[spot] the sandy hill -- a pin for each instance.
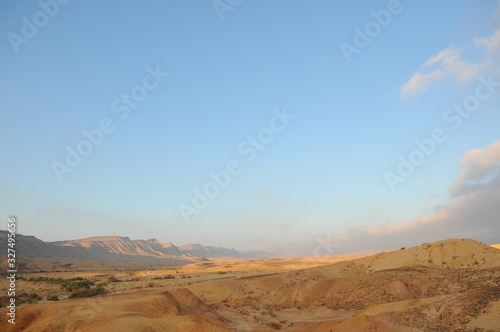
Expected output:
(451, 253)
(497, 246)
(443, 286)
(173, 310)
(447, 253)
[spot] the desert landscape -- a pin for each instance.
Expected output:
(231, 165)
(450, 285)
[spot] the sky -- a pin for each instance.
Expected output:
(318, 127)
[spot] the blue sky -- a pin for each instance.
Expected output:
(323, 175)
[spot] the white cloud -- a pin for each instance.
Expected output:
(495, 18)
(444, 64)
(481, 169)
(474, 211)
(449, 63)
(492, 43)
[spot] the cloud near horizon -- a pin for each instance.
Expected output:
(474, 211)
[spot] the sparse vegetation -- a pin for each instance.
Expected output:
(274, 325)
(114, 279)
(168, 276)
(33, 298)
(52, 298)
(88, 292)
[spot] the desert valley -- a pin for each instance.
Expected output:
(116, 284)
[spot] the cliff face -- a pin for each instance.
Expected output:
(116, 248)
(102, 245)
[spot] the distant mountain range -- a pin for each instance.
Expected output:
(120, 248)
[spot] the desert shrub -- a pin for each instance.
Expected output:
(88, 292)
(70, 285)
(52, 298)
(78, 284)
(33, 298)
(114, 279)
(274, 325)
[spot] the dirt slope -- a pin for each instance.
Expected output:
(173, 310)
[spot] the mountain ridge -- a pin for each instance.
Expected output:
(121, 248)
